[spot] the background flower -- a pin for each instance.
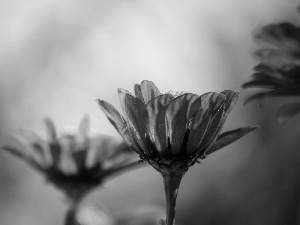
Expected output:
(74, 163)
(279, 70)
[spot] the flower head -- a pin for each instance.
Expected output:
(279, 70)
(172, 131)
(74, 163)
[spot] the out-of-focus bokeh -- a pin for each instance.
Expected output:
(57, 57)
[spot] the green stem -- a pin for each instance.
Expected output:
(171, 185)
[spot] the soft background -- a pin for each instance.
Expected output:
(57, 57)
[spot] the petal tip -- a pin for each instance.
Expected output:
(50, 128)
(101, 103)
(251, 128)
(147, 81)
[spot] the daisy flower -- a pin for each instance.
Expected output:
(172, 131)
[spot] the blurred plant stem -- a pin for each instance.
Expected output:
(71, 215)
(171, 185)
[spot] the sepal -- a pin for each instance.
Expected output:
(229, 137)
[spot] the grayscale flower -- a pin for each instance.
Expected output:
(278, 74)
(74, 163)
(174, 130)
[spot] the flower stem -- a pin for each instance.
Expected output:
(71, 217)
(71, 214)
(171, 185)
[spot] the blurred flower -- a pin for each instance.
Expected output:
(173, 130)
(74, 163)
(285, 41)
(279, 69)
